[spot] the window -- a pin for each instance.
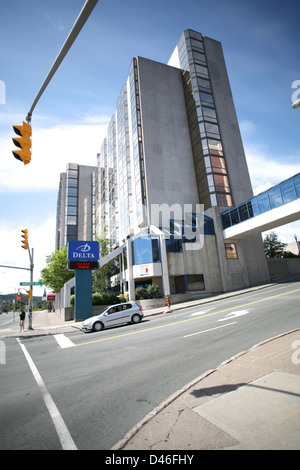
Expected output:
(296, 180)
(231, 251)
(288, 191)
(243, 211)
(263, 202)
(206, 98)
(195, 282)
(275, 197)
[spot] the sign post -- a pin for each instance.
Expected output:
(83, 258)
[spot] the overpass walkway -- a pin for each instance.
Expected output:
(277, 206)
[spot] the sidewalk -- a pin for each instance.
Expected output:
(251, 401)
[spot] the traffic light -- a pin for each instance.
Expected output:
(24, 239)
(23, 142)
(29, 294)
(19, 296)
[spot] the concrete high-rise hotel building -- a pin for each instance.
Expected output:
(174, 140)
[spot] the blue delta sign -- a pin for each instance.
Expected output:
(83, 257)
(83, 254)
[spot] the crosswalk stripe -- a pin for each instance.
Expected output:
(63, 341)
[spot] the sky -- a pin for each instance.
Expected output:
(260, 41)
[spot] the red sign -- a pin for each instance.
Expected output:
(50, 296)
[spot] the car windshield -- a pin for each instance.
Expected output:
(102, 311)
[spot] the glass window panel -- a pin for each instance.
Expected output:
(226, 220)
(201, 70)
(234, 216)
(199, 57)
(263, 202)
(275, 197)
(71, 220)
(253, 207)
(213, 128)
(231, 251)
(221, 183)
(218, 164)
(296, 180)
(243, 211)
(71, 210)
(215, 145)
(72, 201)
(209, 112)
(224, 199)
(202, 83)
(288, 191)
(205, 97)
(72, 173)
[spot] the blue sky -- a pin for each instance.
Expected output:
(261, 46)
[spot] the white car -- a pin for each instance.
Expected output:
(114, 315)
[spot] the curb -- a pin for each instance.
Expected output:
(133, 431)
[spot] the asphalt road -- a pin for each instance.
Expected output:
(86, 391)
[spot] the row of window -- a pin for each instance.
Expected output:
(192, 58)
(285, 192)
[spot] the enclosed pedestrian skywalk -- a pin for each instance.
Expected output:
(277, 206)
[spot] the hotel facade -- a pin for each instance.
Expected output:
(172, 162)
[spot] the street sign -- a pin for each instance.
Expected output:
(39, 283)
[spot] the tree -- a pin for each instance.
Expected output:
(56, 274)
(274, 248)
(101, 277)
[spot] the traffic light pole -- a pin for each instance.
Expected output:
(78, 25)
(31, 290)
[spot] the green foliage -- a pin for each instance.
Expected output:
(104, 298)
(274, 248)
(151, 292)
(56, 274)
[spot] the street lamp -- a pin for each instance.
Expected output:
(296, 104)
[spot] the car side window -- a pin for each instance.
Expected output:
(113, 310)
(127, 306)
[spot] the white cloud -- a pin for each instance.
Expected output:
(52, 148)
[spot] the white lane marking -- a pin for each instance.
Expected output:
(63, 341)
(231, 315)
(202, 312)
(61, 429)
(211, 329)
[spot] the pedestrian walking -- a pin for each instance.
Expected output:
(22, 320)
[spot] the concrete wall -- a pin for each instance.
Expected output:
(283, 267)
(238, 174)
(169, 165)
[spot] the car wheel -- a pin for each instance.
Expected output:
(136, 318)
(97, 326)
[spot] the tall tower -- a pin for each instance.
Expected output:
(220, 162)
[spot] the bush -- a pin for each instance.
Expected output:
(104, 298)
(150, 293)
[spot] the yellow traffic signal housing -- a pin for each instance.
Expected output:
(24, 239)
(29, 294)
(23, 142)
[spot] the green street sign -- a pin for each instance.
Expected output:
(39, 283)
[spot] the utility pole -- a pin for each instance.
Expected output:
(31, 290)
